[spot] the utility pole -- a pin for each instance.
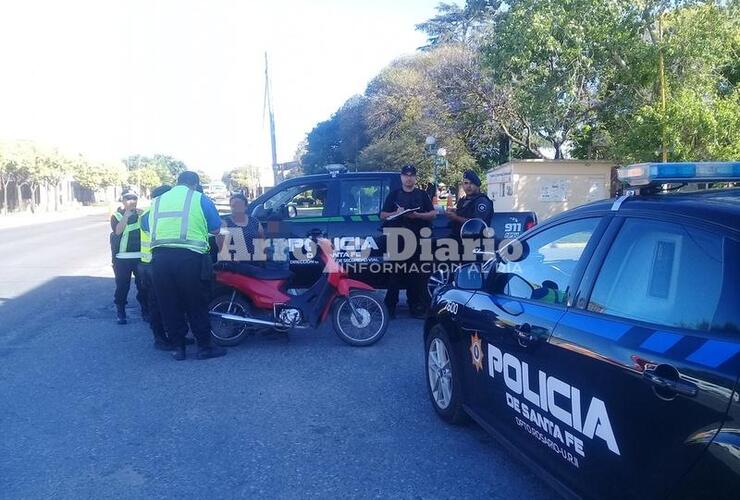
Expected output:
(268, 106)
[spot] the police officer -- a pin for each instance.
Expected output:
(180, 221)
(408, 197)
(161, 340)
(474, 205)
(126, 252)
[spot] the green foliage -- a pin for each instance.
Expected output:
(702, 116)
(338, 139)
(455, 24)
(246, 177)
(166, 167)
(577, 77)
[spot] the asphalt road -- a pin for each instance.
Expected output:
(89, 409)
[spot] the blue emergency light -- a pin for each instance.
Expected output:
(644, 174)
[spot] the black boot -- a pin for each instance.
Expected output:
(121, 314)
(179, 353)
(211, 351)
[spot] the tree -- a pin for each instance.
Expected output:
(246, 178)
(338, 139)
(407, 102)
(700, 45)
(204, 177)
(556, 61)
(8, 170)
(454, 24)
(166, 167)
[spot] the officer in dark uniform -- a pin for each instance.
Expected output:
(474, 205)
(409, 196)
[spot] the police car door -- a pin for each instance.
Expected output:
(649, 382)
(516, 377)
(357, 234)
(292, 215)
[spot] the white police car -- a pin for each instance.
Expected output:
(607, 354)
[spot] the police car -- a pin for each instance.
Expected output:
(345, 207)
(605, 351)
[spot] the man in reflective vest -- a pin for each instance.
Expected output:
(126, 252)
(179, 222)
(161, 340)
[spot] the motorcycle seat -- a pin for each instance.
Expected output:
(251, 270)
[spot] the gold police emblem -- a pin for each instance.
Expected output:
(476, 351)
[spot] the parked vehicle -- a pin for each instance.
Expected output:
(346, 209)
(606, 354)
(250, 298)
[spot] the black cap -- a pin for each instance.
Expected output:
(159, 191)
(472, 177)
(408, 170)
(129, 195)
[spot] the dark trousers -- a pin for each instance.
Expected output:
(123, 269)
(183, 293)
(413, 281)
(155, 316)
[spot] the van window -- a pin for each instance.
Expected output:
(362, 196)
(296, 202)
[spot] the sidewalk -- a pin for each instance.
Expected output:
(28, 219)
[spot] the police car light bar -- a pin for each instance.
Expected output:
(644, 174)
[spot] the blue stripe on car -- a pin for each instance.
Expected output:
(611, 330)
(713, 353)
(661, 341)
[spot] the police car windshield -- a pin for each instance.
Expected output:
(282, 197)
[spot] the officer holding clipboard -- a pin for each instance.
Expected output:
(410, 208)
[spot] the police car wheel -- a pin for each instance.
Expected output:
(361, 323)
(443, 377)
(225, 332)
(437, 280)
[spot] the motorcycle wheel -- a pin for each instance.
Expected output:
(225, 332)
(366, 324)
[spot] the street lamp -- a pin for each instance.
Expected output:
(430, 142)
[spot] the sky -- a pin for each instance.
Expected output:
(108, 78)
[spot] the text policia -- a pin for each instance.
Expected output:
(400, 245)
(536, 396)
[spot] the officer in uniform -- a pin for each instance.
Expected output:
(126, 253)
(179, 222)
(474, 205)
(161, 340)
(409, 196)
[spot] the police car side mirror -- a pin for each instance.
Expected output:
(469, 277)
(259, 211)
(473, 229)
(292, 211)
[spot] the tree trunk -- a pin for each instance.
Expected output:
(19, 196)
(33, 197)
(5, 197)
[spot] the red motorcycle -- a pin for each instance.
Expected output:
(250, 298)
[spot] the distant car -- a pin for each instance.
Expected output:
(346, 208)
(607, 354)
(216, 191)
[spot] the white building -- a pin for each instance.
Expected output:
(548, 187)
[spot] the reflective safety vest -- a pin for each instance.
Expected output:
(123, 245)
(177, 221)
(146, 242)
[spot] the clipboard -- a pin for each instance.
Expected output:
(394, 217)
